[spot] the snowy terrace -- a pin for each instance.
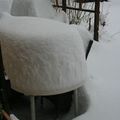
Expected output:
(103, 66)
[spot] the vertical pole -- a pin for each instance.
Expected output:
(32, 104)
(96, 20)
(56, 2)
(64, 5)
(89, 48)
(76, 102)
(80, 4)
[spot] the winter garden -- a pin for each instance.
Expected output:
(59, 60)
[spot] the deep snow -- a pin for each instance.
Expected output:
(104, 66)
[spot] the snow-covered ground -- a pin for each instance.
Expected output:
(104, 69)
(104, 66)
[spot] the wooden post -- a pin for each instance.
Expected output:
(56, 2)
(64, 5)
(80, 4)
(96, 20)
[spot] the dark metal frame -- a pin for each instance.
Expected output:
(96, 12)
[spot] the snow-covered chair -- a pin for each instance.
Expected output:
(86, 37)
(41, 60)
(44, 9)
(37, 8)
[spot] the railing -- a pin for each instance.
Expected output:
(95, 11)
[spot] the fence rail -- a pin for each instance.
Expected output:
(95, 11)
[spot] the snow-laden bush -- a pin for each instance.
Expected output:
(81, 17)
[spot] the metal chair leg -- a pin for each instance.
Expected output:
(32, 104)
(42, 102)
(76, 102)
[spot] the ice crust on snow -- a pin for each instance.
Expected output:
(42, 59)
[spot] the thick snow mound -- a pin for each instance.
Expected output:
(85, 34)
(5, 5)
(37, 8)
(41, 56)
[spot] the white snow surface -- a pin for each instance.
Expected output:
(45, 57)
(13, 117)
(104, 69)
(43, 9)
(37, 8)
(104, 66)
(5, 5)
(85, 34)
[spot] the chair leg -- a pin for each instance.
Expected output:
(42, 102)
(32, 104)
(76, 102)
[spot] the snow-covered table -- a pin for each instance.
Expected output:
(41, 56)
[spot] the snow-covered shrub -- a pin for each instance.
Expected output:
(81, 17)
(75, 16)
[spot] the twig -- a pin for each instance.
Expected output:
(5, 114)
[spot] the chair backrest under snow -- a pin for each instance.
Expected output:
(44, 9)
(37, 8)
(5, 5)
